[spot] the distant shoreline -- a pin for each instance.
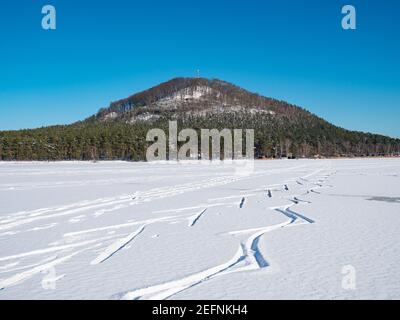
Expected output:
(191, 161)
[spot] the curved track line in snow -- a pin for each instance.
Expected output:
(248, 254)
(120, 226)
(168, 289)
(200, 206)
(241, 204)
(20, 277)
(116, 246)
(8, 266)
(29, 266)
(195, 218)
(54, 249)
(293, 215)
(252, 255)
(20, 222)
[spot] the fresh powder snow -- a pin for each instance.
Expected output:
(289, 229)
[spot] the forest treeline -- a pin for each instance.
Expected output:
(307, 136)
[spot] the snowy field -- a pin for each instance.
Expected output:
(114, 230)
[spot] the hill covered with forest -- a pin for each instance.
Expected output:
(119, 131)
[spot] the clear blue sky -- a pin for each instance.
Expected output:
(288, 49)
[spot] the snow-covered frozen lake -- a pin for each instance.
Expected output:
(291, 229)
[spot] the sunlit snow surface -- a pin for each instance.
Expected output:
(115, 230)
